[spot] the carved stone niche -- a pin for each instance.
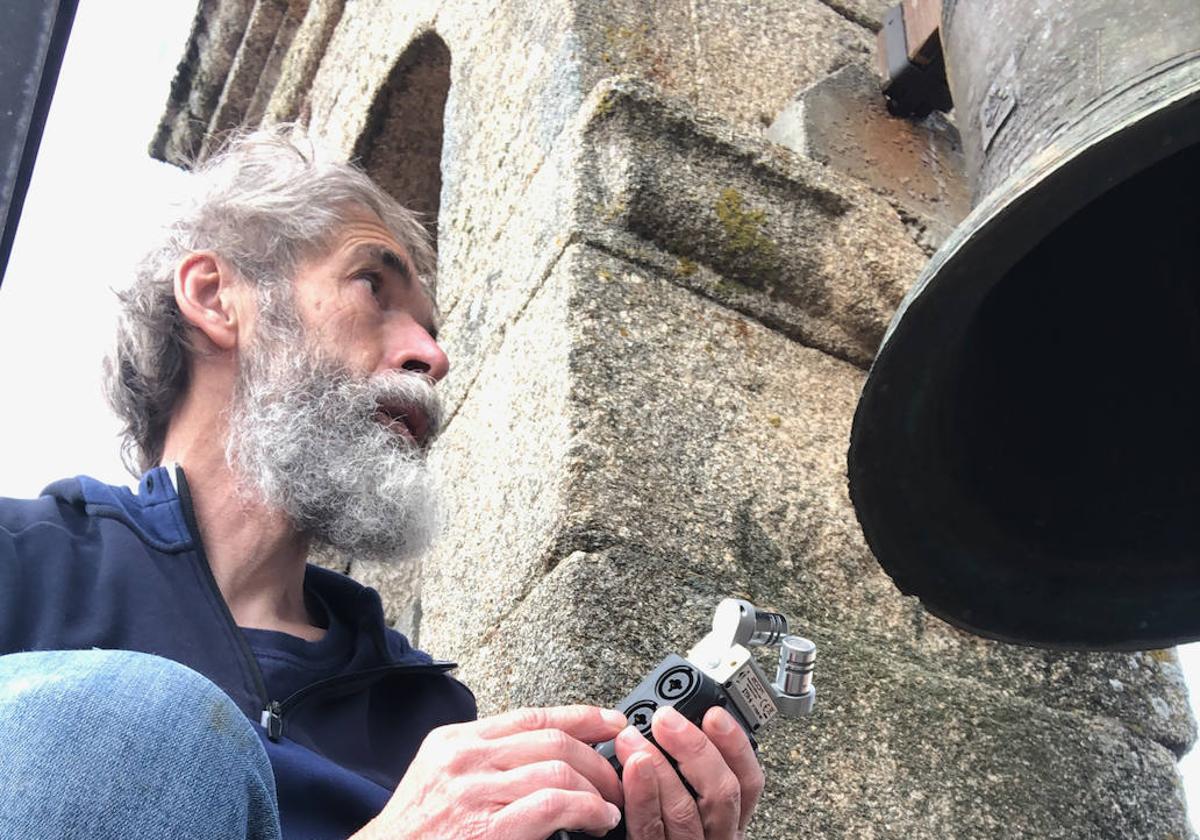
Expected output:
(401, 143)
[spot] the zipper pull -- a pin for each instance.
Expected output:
(272, 720)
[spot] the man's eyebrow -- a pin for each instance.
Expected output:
(388, 259)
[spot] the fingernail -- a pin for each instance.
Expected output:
(630, 735)
(722, 721)
(613, 718)
(671, 719)
(614, 815)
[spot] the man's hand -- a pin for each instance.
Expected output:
(718, 763)
(516, 776)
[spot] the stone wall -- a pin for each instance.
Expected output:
(659, 321)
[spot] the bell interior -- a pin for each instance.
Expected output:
(1069, 432)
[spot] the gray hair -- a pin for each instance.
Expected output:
(265, 202)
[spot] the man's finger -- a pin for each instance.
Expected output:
(513, 784)
(589, 724)
(523, 748)
(730, 739)
(718, 792)
(679, 812)
(544, 812)
(643, 809)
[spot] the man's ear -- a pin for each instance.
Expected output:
(207, 298)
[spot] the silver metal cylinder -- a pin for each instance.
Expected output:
(769, 628)
(797, 658)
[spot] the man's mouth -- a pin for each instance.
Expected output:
(406, 421)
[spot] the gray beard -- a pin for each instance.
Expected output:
(304, 439)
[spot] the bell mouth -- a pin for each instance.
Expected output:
(1025, 456)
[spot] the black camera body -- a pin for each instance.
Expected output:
(674, 682)
(721, 671)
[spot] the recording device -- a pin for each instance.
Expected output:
(721, 671)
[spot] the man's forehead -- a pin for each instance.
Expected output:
(363, 237)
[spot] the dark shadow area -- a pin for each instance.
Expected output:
(1079, 417)
(401, 146)
(1071, 444)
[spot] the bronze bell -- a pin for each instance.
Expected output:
(1025, 456)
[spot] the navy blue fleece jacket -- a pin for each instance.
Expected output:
(91, 565)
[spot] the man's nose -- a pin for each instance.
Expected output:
(412, 348)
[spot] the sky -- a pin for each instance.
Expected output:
(94, 197)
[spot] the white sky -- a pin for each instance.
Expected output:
(95, 194)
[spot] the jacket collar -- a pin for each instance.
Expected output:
(155, 511)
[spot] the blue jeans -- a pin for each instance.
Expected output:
(114, 744)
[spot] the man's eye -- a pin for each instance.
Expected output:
(373, 280)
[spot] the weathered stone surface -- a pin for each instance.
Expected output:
(953, 758)
(268, 33)
(843, 121)
(362, 50)
(502, 522)
(690, 206)
(741, 62)
(868, 13)
(500, 139)
(288, 100)
(489, 288)
(743, 221)
(199, 81)
(291, 17)
(401, 144)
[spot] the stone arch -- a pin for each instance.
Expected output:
(401, 143)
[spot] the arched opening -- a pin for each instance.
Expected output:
(401, 145)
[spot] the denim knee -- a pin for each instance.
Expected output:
(117, 743)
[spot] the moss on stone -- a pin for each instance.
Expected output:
(745, 239)
(725, 287)
(685, 267)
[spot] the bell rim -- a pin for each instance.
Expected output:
(947, 289)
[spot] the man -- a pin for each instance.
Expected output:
(275, 372)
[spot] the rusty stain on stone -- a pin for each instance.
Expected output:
(843, 122)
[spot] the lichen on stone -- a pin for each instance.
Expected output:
(613, 210)
(742, 227)
(1163, 655)
(605, 105)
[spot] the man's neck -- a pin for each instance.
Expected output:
(256, 556)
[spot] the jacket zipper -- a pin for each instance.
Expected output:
(272, 720)
(271, 716)
(273, 713)
(189, 515)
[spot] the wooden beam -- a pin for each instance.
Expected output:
(922, 20)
